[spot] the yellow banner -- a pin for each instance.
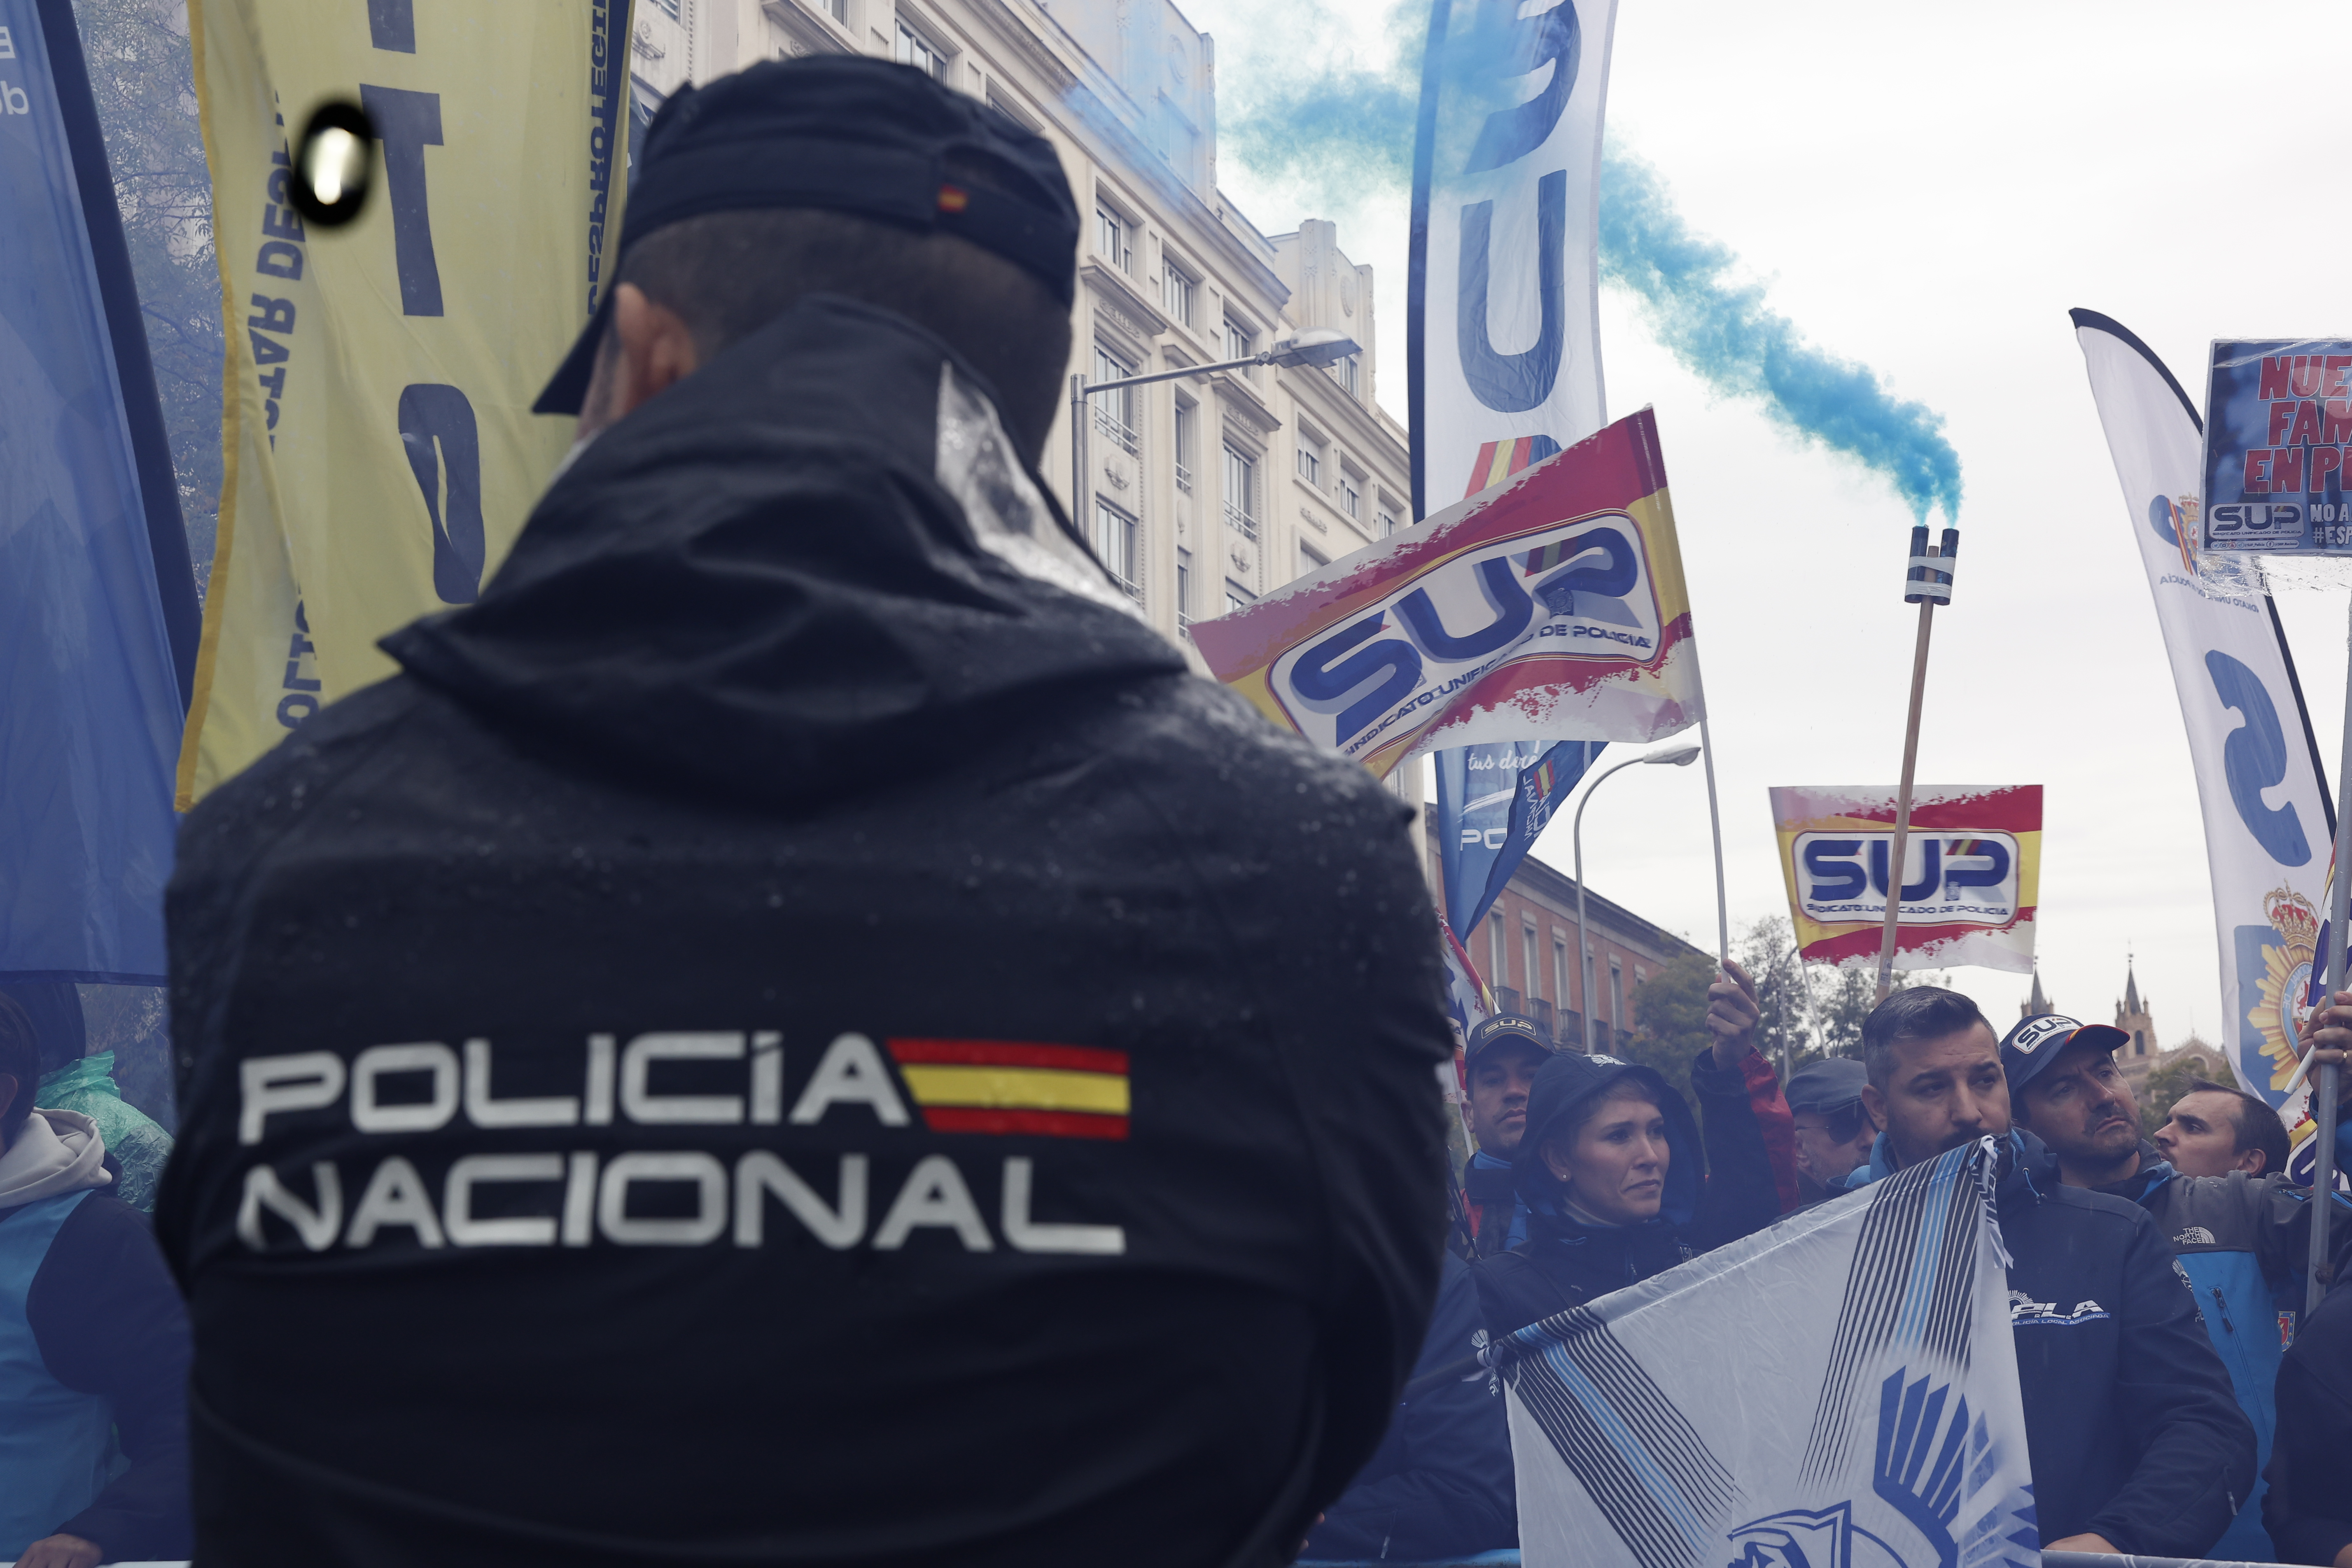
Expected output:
(381, 451)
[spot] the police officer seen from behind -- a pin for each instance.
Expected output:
(1499, 1066)
(2243, 1240)
(794, 1030)
(2136, 1444)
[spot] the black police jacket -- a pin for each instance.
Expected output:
(786, 1035)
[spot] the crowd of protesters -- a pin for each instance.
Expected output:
(2189, 1417)
(1144, 1299)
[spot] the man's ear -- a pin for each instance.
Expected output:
(1874, 1102)
(2252, 1161)
(655, 350)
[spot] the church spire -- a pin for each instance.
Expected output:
(2131, 988)
(2037, 1003)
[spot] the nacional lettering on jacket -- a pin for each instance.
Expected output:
(565, 1197)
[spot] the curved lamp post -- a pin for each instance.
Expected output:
(1680, 756)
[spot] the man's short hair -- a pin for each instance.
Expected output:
(20, 1058)
(728, 274)
(2258, 1126)
(1914, 1012)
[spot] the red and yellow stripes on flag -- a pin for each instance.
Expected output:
(1011, 1087)
(1499, 461)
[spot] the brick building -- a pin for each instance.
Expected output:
(1526, 952)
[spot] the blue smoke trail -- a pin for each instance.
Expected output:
(1724, 332)
(1342, 129)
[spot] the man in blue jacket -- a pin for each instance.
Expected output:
(2136, 1444)
(2244, 1240)
(1500, 1067)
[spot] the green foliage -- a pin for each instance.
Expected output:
(1670, 1021)
(2163, 1086)
(141, 75)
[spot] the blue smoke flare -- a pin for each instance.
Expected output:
(1345, 128)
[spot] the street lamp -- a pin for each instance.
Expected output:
(1680, 756)
(1309, 349)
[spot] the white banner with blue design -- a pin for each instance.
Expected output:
(1839, 1390)
(2268, 827)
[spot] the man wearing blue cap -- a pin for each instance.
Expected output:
(794, 1030)
(2136, 1444)
(2244, 1241)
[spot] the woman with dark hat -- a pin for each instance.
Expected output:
(1612, 1172)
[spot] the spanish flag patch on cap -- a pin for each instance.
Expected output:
(1006, 1087)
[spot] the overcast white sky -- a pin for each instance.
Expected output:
(1927, 190)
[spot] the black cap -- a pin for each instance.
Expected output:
(1505, 1029)
(1831, 1084)
(849, 134)
(2038, 1041)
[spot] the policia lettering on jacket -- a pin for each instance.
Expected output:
(676, 1197)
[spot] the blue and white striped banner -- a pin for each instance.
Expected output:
(1661, 1424)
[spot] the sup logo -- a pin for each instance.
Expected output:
(1578, 591)
(1946, 880)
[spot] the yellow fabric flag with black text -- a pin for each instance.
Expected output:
(381, 453)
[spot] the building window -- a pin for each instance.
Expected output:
(837, 9)
(1114, 237)
(1527, 946)
(1309, 562)
(1237, 597)
(1241, 492)
(1240, 343)
(1114, 541)
(1352, 499)
(1344, 372)
(1310, 464)
(1115, 409)
(1616, 997)
(1187, 442)
(1560, 993)
(1176, 292)
(916, 50)
(667, 7)
(1496, 954)
(1184, 591)
(1387, 522)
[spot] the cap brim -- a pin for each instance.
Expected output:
(2103, 1036)
(567, 390)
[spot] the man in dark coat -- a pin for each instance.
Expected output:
(795, 1031)
(2137, 1443)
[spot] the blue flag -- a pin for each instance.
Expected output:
(90, 692)
(1493, 802)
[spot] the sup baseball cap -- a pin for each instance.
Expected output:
(1506, 1028)
(848, 134)
(2038, 1041)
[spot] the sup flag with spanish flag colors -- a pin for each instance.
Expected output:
(380, 451)
(1007, 1087)
(1878, 1425)
(1972, 874)
(1551, 606)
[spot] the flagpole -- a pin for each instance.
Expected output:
(1930, 582)
(2324, 1083)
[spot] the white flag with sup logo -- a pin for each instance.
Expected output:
(1870, 1420)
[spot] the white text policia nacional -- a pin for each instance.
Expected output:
(571, 1197)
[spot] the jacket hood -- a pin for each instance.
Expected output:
(54, 1151)
(1567, 1081)
(817, 559)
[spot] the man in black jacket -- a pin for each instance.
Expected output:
(2308, 1507)
(1441, 1484)
(795, 1030)
(2137, 1443)
(93, 1344)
